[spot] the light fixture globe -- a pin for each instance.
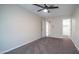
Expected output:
(45, 10)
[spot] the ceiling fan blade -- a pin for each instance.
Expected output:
(40, 10)
(52, 7)
(38, 5)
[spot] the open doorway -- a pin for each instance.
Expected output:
(47, 28)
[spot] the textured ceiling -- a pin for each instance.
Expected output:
(63, 10)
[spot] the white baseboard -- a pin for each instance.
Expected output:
(75, 45)
(12, 48)
(16, 47)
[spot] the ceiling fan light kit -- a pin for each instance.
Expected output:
(45, 10)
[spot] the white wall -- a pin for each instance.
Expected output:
(75, 27)
(56, 26)
(17, 27)
(43, 28)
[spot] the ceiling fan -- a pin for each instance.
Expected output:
(45, 7)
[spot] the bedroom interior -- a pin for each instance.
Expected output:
(39, 29)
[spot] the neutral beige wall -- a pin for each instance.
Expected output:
(75, 27)
(17, 27)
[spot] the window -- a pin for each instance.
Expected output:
(67, 27)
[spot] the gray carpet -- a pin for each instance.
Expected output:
(47, 45)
